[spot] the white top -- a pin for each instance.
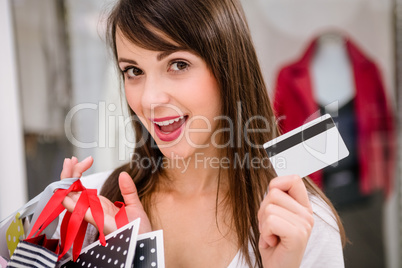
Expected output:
(324, 248)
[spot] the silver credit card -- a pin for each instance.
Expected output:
(307, 149)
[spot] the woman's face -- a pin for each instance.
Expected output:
(175, 96)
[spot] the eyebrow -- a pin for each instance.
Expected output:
(159, 57)
(164, 54)
(127, 61)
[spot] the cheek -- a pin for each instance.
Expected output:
(133, 101)
(208, 104)
(136, 108)
(206, 93)
(212, 98)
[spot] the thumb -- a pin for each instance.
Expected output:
(81, 167)
(133, 203)
(129, 191)
(267, 242)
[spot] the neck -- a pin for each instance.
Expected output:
(331, 47)
(196, 174)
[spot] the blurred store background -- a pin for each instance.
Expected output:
(60, 96)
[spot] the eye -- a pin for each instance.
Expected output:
(132, 72)
(178, 66)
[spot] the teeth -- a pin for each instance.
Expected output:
(168, 122)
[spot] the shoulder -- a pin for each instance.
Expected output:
(324, 248)
(96, 180)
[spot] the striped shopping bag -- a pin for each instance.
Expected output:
(37, 252)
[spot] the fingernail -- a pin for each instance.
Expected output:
(89, 157)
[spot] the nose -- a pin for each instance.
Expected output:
(155, 92)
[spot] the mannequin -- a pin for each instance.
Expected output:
(331, 71)
(335, 76)
(334, 92)
(297, 99)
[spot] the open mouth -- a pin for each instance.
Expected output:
(168, 129)
(172, 124)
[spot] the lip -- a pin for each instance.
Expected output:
(168, 136)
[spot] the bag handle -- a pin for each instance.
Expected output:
(35, 205)
(53, 208)
(121, 216)
(73, 223)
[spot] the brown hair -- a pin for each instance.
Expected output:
(217, 31)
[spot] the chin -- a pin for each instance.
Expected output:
(170, 153)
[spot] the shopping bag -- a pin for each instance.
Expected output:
(3, 262)
(10, 237)
(14, 234)
(35, 252)
(118, 251)
(73, 226)
(149, 252)
(124, 247)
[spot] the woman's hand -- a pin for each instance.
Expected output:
(74, 169)
(134, 209)
(285, 222)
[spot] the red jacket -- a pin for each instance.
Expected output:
(294, 105)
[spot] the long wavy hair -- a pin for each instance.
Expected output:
(217, 31)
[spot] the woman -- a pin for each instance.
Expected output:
(201, 113)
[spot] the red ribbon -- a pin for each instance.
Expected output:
(121, 216)
(73, 226)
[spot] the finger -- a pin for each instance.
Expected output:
(289, 234)
(129, 191)
(284, 200)
(273, 209)
(273, 231)
(272, 241)
(70, 201)
(82, 166)
(294, 186)
(74, 160)
(304, 222)
(67, 171)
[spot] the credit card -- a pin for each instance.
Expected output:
(307, 149)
